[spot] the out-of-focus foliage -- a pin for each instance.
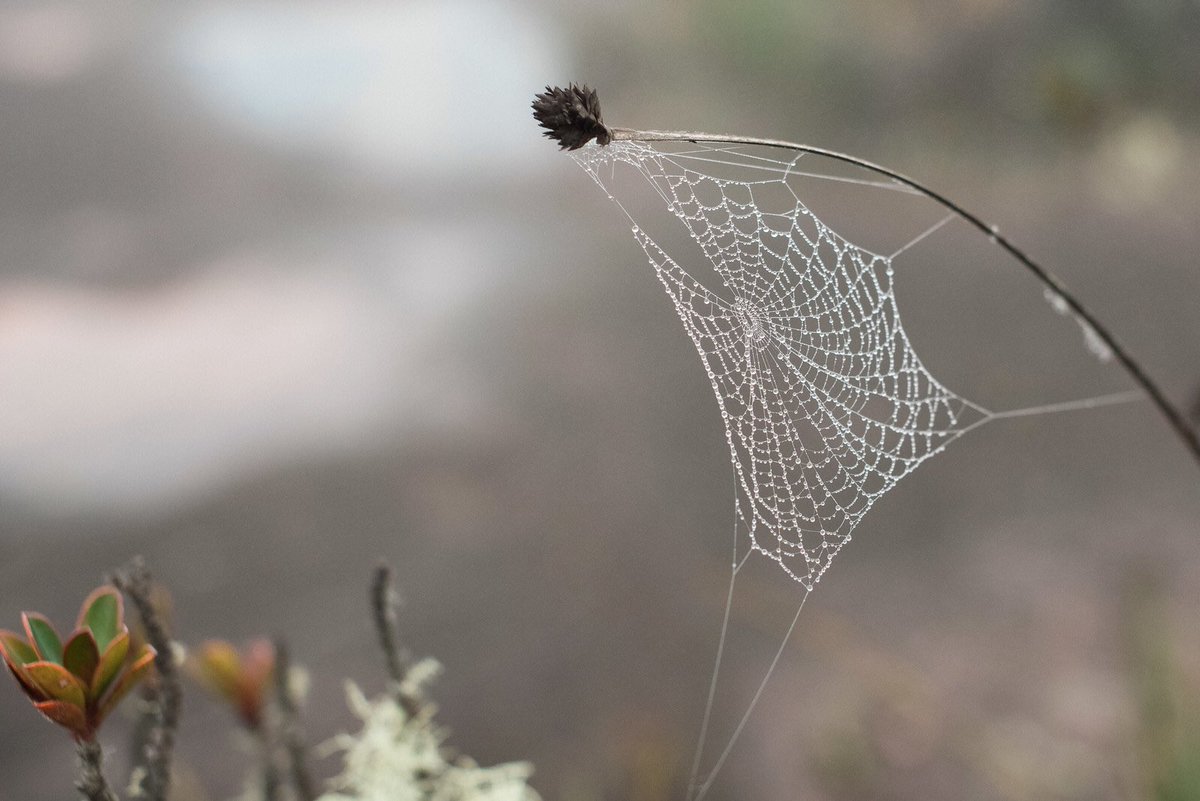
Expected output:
(970, 72)
(1167, 739)
(242, 678)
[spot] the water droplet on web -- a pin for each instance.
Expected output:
(1056, 301)
(1095, 344)
(786, 344)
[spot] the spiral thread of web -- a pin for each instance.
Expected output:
(825, 404)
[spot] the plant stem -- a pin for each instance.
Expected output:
(135, 582)
(383, 607)
(271, 783)
(1178, 421)
(91, 780)
(264, 737)
(147, 718)
(289, 725)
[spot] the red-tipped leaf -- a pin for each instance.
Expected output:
(81, 656)
(42, 637)
(56, 683)
(136, 671)
(68, 716)
(109, 665)
(258, 666)
(27, 685)
(103, 612)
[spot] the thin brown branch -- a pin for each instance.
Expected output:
(265, 738)
(271, 781)
(146, 720)
(572, 118)
(383, 607)
(91, 782)
(289, 726)
(1176, 418)
(135, 582)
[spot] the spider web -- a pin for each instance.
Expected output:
(826, 405)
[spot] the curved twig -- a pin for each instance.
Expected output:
(1178, 421)
(572, 118)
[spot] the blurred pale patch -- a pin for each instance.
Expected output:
(426, 88)
(138, 400)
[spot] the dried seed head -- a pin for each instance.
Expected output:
(571, 116)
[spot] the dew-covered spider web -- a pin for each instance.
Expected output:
(825, 403)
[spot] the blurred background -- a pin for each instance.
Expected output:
(288, 288)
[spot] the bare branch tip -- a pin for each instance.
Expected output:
(383, 607)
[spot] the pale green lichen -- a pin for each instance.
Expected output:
(395, 757)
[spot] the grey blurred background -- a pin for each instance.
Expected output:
(287, 288)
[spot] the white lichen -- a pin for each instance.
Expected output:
(395, 757)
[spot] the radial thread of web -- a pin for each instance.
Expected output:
(825, 404)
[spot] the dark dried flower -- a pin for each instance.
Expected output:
(571, 116)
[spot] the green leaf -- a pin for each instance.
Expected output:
(136, 672)
(81, 656)
(43, 637)
(110, 665)
(56, 683)
(67, 715)
(15, 650)
(102, 613)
